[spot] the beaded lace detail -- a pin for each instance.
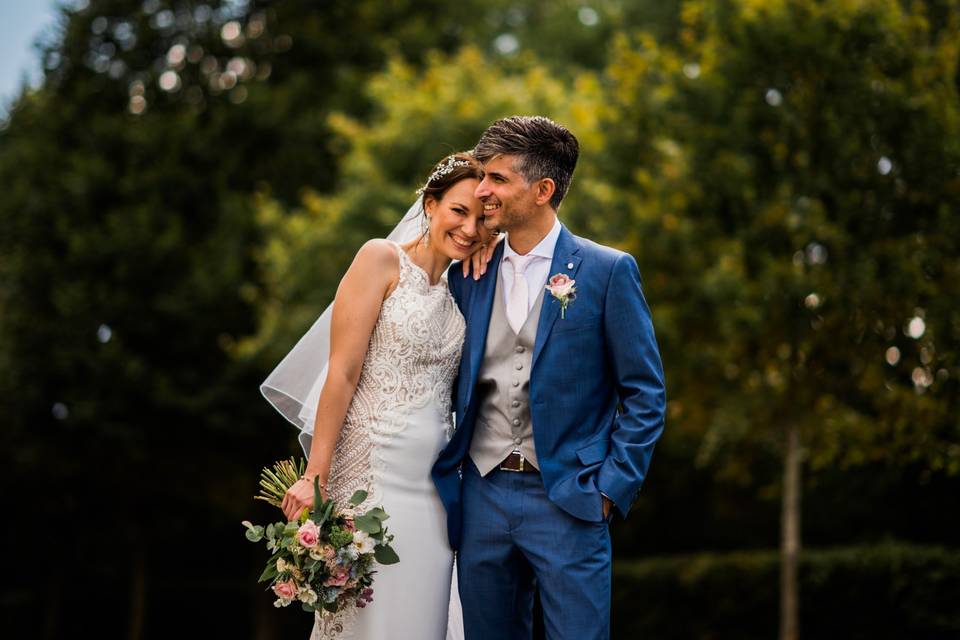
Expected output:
(411, 361)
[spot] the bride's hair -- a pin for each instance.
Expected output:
(448, 172)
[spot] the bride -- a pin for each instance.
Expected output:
(378, 414)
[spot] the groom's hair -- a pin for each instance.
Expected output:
(544, 149)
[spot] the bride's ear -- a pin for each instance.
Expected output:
(429, 206)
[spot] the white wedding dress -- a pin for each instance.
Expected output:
(397, 423)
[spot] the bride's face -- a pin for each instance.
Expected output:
(456, 228)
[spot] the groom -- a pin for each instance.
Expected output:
(559, 401)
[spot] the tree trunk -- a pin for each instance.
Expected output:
(790, 538)
(137, 592)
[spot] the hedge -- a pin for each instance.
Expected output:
(884, 591)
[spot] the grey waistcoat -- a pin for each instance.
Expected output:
(503, 388)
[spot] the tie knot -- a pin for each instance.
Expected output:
(519, 263)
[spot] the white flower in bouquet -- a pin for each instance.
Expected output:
(307, 595)
(363, 542)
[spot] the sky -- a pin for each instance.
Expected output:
(21, 22)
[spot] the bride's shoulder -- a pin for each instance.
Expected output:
(378, 251)
(377, 261)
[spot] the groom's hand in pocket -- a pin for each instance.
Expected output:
(607, 505)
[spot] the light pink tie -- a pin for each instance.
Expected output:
(518, 300)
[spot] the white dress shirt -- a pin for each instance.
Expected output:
(537, 270)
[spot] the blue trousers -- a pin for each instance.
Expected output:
(515, 540)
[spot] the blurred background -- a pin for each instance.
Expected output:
(182, 183)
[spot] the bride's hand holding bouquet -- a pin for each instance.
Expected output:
(300, 496)
(324, 556)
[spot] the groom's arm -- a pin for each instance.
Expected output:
(632, 351)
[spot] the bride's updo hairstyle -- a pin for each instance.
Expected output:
(448, 172)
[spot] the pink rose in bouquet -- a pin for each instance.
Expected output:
(308, 534)
(286, 590)
(338, 579)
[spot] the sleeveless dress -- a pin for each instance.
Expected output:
(396, 425)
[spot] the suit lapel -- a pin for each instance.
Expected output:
(566, 261)
(481, 305)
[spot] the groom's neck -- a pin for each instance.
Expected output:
(523, 238)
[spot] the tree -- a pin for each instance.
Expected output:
(418, 117)
(798, 166)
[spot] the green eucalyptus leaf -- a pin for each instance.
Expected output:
(269, 572)
(358, 496)
(378, 513)
(385, 554)
(367, 524)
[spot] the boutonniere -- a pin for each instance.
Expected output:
(561, 287)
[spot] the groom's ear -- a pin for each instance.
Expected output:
(545, 190)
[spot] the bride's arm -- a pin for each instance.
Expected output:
(372, 276)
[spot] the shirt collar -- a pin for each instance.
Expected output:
(544, 248)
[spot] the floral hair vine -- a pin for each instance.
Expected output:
(446, 167)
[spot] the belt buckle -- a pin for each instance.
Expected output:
(510, 457)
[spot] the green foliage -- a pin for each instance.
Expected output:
(885, 591)
(340, 537)
(385, 555)
(419, 116)
(255, 533)
(791, 213)
(368, 524)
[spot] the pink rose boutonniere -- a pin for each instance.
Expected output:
(561, 287)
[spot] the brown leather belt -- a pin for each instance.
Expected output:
(516, 462)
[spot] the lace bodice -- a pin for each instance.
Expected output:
(411, 361)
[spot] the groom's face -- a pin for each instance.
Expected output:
(508, 199)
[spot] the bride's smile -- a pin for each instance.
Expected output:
(455, 221)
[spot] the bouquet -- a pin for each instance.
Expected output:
(325, 558)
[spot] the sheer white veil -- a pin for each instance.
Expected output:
(293, 387)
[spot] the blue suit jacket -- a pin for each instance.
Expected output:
(597, 395)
